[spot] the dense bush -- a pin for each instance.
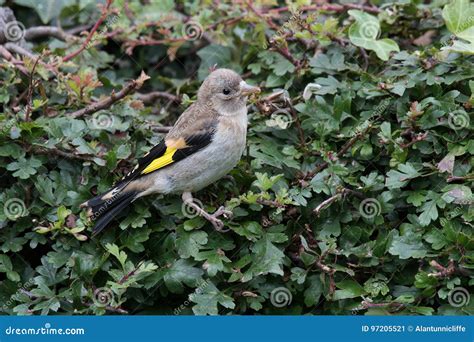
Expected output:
(353, 196)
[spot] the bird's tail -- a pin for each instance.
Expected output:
(104, 207)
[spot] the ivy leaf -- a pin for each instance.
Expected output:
(364, 33)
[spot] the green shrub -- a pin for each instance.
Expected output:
(353, 196)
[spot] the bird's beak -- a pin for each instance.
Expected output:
(247, 89)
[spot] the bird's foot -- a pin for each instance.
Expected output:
(213, 218)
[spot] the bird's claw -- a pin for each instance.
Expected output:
(218, 224)
(224, 212)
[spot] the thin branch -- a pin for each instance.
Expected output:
(30, 90)
(59, 153)
(25, 53)
(114, 97)
(105, 13)
(9, 57)
(329, 7)
(443, 272)
(341, 152)
(326, 203)
(48, 31)
(161, 129)
(152, 96)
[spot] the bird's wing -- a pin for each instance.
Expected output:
(191, 133)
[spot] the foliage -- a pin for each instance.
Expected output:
(354, 194)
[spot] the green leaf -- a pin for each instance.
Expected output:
(364, 33)
(47, 10)
(458, 18)
(120, 255)
(208, 299)
(348, 289)
(189, 243)
(24, 168)
(398, 179)
(408, 244)
(182, 272)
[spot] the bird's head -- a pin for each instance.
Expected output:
(225, 91)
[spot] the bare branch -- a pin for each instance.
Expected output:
(114, 97)
(48, 31)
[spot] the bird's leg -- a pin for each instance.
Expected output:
(213, 218)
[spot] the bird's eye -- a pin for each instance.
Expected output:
(226, 91)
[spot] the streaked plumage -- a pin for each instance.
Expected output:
(205, 143)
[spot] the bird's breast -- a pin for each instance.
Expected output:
(212, 162)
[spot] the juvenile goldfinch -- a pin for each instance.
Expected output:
(205, 143)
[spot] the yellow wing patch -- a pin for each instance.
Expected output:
(158, 163)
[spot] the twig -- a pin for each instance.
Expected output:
(23, 52)
(19, 50)
(161, 129)
(326, 203)
(329, 7)
(48, 31)
(9, 57)
(443, 272)
(152, 96)
(459, 178)
(414, 140)
(270, 203)
(282, 51)
(30, 90)
(110, 308)
(296, 119)
(60, 153)
(395, 305)
(110, 100)
(341, 152)
(105, 12)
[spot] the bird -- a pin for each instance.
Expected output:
(205, 143)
